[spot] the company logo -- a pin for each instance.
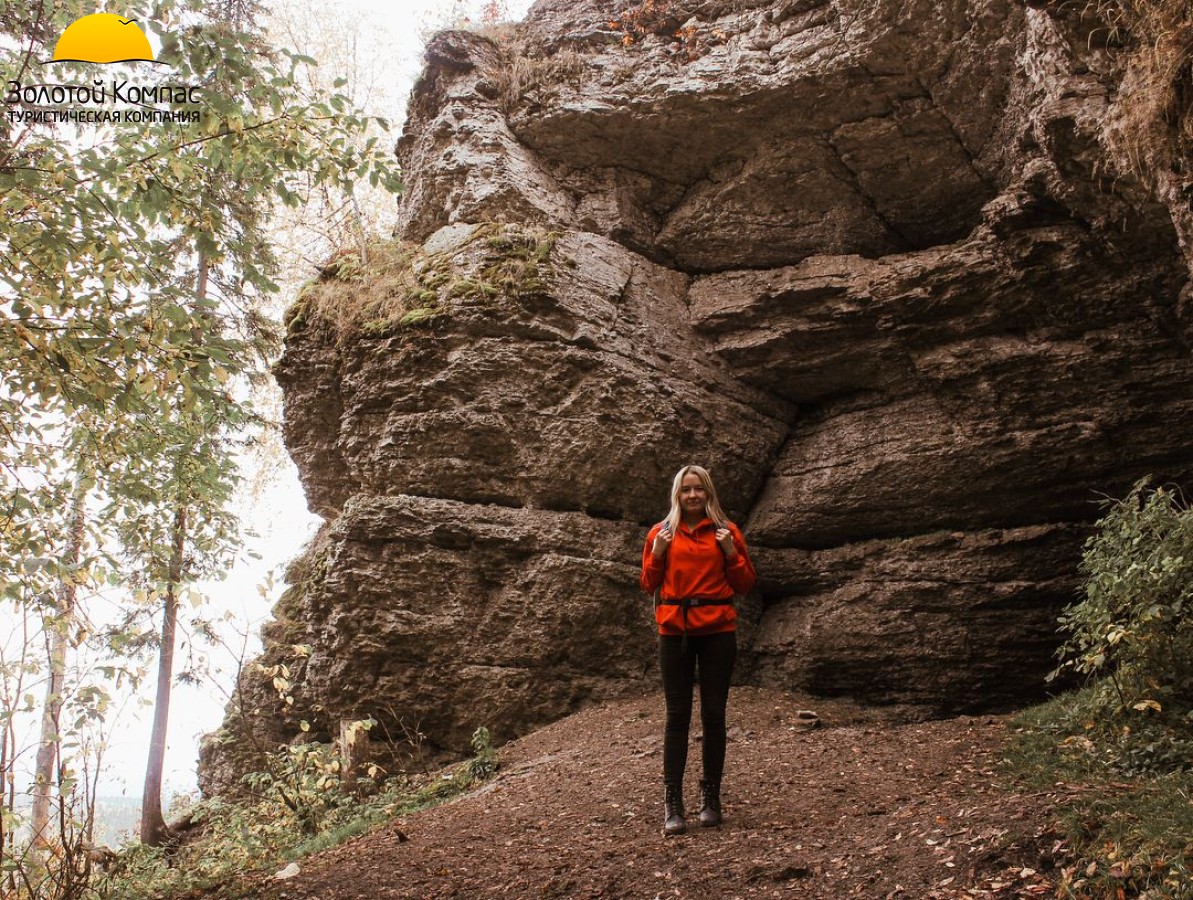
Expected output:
(103, 38)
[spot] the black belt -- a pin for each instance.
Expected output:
(687, 603)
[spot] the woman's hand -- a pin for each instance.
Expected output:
(662, 543)
(725, 542)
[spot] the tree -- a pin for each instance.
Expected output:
(109, 231)
(342, 218)
(57, 631)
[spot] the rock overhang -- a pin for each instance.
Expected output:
(914, 330)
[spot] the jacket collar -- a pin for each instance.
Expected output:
(706, 521)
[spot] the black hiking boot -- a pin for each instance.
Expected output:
(710, 803)
(675, 823)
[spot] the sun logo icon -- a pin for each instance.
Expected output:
(103, 38)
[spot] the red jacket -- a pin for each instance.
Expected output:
(696, 567)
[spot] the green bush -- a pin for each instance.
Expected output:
(484, 762)
(303, 805)
(1133, 625)
(303, 785)
(1117, 755)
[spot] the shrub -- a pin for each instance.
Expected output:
(1117, 756)
(304, 804)
(1133, 624)
(1152, 129)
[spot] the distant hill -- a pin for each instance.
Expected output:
(116, 820)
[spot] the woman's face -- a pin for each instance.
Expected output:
(692, 496)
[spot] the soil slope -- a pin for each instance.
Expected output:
(855, 808)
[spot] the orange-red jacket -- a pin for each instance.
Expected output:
(695, 567)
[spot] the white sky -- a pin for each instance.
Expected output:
(391, 40)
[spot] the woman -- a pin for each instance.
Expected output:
(694, 562)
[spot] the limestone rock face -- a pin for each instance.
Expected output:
(473, 167)
(499, 462)
(582, 394)
(802, 128)
(452, 614)
(869, 262)
(950, 622)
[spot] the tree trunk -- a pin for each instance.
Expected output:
(354, 747)
(47, 747)
(57, 629)
(154, 832)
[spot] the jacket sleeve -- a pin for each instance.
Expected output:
(653, 570)
(740, 572)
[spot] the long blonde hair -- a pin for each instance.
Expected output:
(712, 506)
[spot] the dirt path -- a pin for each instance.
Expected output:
(858, 810)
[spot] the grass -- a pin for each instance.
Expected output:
(1125, 795)
(400, 286)
(521, 73)
(391, 805)
(1152, 128)
(242, 842)
(371, 820)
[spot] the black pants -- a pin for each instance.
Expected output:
(715, 653)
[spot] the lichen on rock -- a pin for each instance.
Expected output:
(396, 284)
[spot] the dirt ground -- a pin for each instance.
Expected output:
(854, 808)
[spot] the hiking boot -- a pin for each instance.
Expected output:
(710, 803)
(675, 822)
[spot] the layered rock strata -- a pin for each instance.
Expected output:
(868, 262)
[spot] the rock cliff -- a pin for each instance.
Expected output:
(868, 261)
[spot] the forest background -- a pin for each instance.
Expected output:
(87, 555)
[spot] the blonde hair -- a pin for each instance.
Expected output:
(712, 506)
